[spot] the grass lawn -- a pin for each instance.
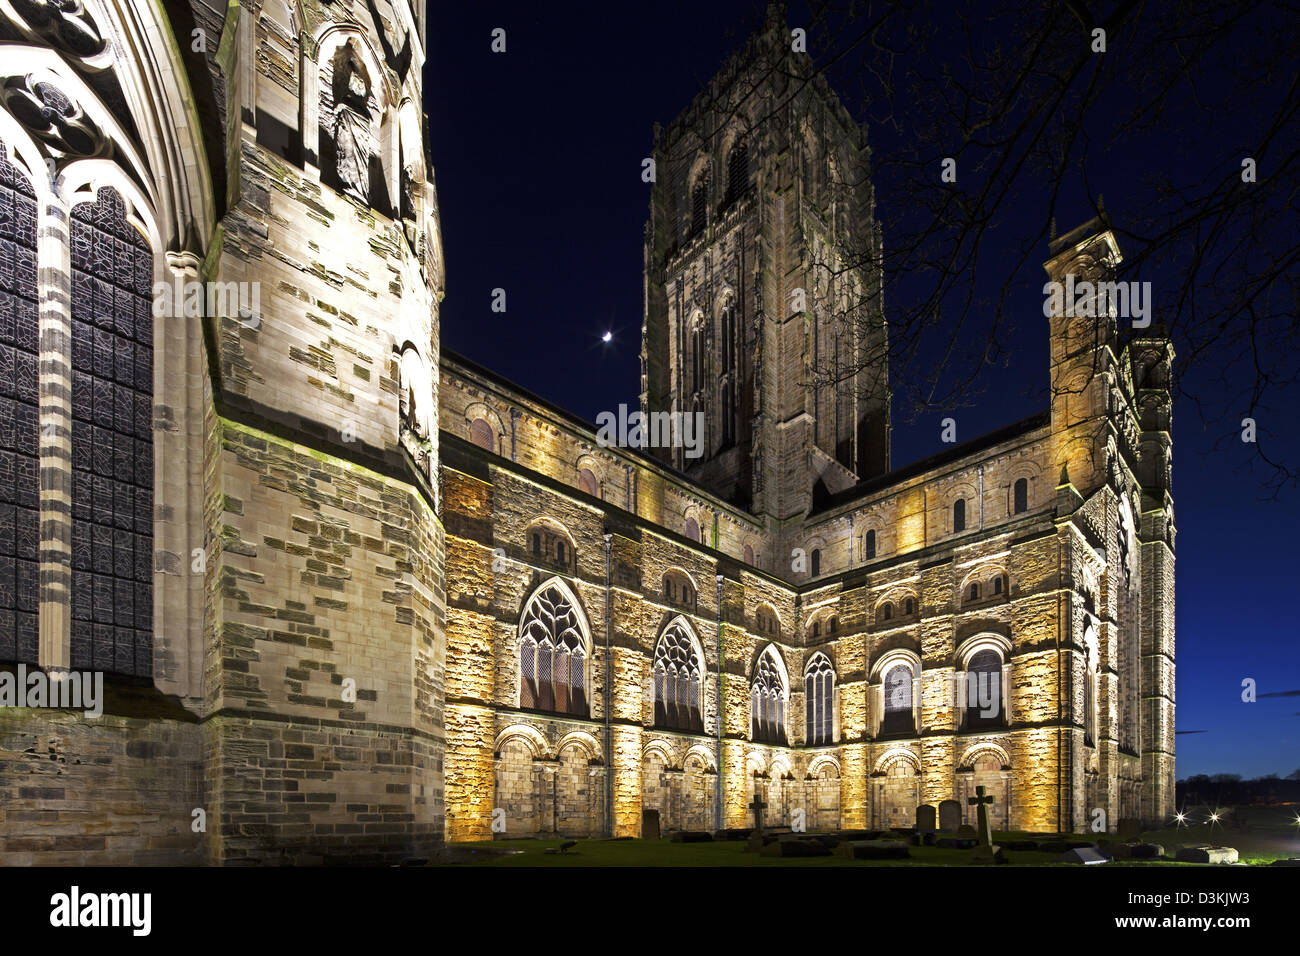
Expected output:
(1260, 845)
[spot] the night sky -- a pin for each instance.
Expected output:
(537, 154)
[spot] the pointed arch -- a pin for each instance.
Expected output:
(678, 673)
(769, 694)
(554, 651)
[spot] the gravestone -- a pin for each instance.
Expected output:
(1207, 854)
(874, 850)
(925, 817)
(949, 816)
(650, 824)
(987, 851)
(1085, 855)
(794, 846)
(756, 839)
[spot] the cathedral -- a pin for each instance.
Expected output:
(348, 597)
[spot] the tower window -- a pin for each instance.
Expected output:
(587, 482)
(737, 171)
(699, 208)
(816, 561)
(959, 515)
(974, 591)
(888, 611)
(997, 585)
(909, 606)
(869, 544)
(1020, 494)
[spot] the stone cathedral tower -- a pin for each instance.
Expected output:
(219, 482)
(763, 309)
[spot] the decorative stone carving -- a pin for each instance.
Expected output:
(64, 24)
(352, 123)
(51, 117)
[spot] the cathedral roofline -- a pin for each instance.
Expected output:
(929, 463)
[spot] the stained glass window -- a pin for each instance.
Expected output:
(678, 671)
(819, 700)
(551, 633)
(768, 701)
(19, 418)
(112, 440)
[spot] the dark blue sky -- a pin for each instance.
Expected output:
(537, 154)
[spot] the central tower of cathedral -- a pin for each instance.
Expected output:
(763, 309)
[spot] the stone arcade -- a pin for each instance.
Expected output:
(354, 597)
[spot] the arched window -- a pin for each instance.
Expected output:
(551, 545)
(481, 434)
(1020, 496)
(869, 544)
(678, 589)
(767, 698)
(749, 554)
(729, 337)
(699, 207)
(678, 680)
(816, 561)
(728, 413)
(698, 376)
(692, 529)
(909, 606)
(553, 652)
(959, 515)
(984, 704)
(998, 584)
(898, 717)
(974, 590)
(887, 612)
(737, 171)
(587, 482)
(767, 621)
(112, 439)
(819, 701)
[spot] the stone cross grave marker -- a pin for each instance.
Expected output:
(984, 827)
(949, 816)
(758, 806)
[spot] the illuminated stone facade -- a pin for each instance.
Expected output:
(1033, 565)
(253, 553)
(354, 597)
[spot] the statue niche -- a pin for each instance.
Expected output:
(352, 131)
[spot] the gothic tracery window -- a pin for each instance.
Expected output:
(553, 653)
(819, 697)
(767, 698)
(678, 681)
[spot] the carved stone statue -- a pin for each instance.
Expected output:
(352, 123)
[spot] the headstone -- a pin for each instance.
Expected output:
(987, 851)
(949, 816)
(968, 832)
(925, 819)
(874, 850)
(650, 824)
(956, 843)
(1207, 854)
(1085, 855)
(1139, 851)
(1129, 829)
(795, 846)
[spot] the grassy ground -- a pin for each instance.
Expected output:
(1259, 845)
